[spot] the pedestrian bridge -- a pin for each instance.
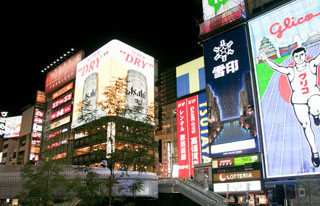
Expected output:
(11, 182)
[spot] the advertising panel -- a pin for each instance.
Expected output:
(217, 13)
(3, 117)
(62, 90)
(36, 134)
(246, 186)
(115, 77)
(41, 97)
(60, 112)
(60, 122)
(13, 126)
(231, 116)
(182, 139)
(192, 132)
(235, 161)
(62, 74)
(61, 101)
(190, 77)
(237, 176)
(286, 59)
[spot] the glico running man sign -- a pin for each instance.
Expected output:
(286, 58)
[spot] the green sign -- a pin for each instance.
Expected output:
(216, 4)
(238, 161)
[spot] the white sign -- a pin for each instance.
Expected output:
(237, 186)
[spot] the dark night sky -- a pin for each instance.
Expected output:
(35, 35)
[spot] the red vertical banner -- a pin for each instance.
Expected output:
(193, 131)
(182, 139)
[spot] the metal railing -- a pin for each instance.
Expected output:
(193, 191)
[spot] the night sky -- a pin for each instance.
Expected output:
(34, 35)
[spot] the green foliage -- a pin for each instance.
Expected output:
(43, 183)
(90, 191)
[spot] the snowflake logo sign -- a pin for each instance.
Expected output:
(223, 51)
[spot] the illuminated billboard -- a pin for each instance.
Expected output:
(230, 101)
(114, 80)
(286, 59)
(192, 133)
(13, 126)
(62, 74)
(190, 77)
(3, 117)
(217, 13)
(36, 134)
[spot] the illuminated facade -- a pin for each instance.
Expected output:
(57, 137)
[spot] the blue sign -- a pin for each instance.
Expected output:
(231, 116)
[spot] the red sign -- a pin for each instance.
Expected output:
(189, 152)
(193, 132)
(61, 101)
(61, 112)
(62, 74)
(225, 162)
(182, 139)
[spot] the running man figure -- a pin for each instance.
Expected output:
(305, 97)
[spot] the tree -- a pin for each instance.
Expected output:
(43, 183)
(91, 189)
(130, 143)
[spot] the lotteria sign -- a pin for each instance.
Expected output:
(286, 58)
(192, 132)
(237, 176)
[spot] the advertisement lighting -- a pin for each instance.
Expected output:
(190, 77)
(246, 186)
(41, 97)
(12, 127)
(62, 74)
(61, 101)
(3, 117)
(192, 132)
(115, 77)
(63, 90)
(217, 13)
(60, 112)
(286, 60)
(237, 176)
(230, 101)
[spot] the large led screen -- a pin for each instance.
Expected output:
(114, 80)
(192, 134)
(213, 8)
(217, 13)
(286, 59)
(231, 116)
(190, 77)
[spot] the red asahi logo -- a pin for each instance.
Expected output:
(278, 30)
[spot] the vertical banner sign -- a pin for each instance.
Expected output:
(193, 128)
(3, 116)
(231, 116)
(192, 131)
(286, 59)
(203, 126)
(183, 143)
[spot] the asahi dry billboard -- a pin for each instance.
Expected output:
(114, 80)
